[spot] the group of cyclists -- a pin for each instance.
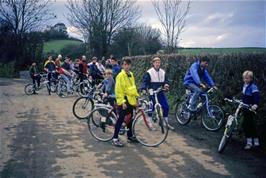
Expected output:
(118, 81)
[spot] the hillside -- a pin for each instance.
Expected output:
(55, 46)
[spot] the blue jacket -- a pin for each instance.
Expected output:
(194, 75)
(116, 69)
(94, 71)
(250, 94)
(153, 79)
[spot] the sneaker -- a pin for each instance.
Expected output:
(256, 142)
(117, 143)
(248, 147)
(34, 93)
(169, 126)
(132, 139)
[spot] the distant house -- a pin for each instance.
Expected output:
(59, 27)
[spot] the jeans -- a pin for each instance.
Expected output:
(36, 78)
(68, 81)
(196, 93)
(122, 113)
(163, 102)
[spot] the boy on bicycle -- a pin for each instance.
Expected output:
(154, 78)
(194, 78)
(126, 93)
(35, 75)
(250, 96)
(49, 67)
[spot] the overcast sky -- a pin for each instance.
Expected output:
(210, 23)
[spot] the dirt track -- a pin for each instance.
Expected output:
(40, 137)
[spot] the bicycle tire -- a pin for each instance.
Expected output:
(226, 137)
(213, 124)
(29, 89)
(78, 103)
(146, 135)
(102, 131)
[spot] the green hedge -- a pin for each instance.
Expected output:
(226, 70)
(7, 70)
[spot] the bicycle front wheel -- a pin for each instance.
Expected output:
(229, 128)
(150, 132)
(214, 120)
(101, 124)
(29, 89)
(82, 107)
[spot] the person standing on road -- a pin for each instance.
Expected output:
(67, 74)
(250, 96)
(49, 67)
(35, 75)
(154, 78)
(126, 97)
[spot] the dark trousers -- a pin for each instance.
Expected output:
(249, 124)
(36, 79)
(122, 113)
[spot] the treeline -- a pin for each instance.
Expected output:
(226, 70)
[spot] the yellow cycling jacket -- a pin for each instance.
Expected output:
(125, 87)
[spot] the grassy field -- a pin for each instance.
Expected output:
(197, 51)
(56, 45)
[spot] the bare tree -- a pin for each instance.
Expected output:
(25, 15)
(172, 16)
(99, 20)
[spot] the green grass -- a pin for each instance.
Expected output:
(56, 46)
(197, 51)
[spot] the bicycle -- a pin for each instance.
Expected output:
(84, 104)
(212, 116)
(232, 122)
(149, 132)
(31, 88)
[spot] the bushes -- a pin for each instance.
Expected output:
(226, 70)
(7, 70)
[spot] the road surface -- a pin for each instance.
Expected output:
(39, 137)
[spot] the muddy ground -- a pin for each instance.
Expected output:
(39, 137)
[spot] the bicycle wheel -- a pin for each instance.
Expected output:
(149, 132)
(53, 87)
(82, 107)
(29, 89)
(61, 88)
(101, 123)
(213, 123)
(84, 89)
(227, 134)
(182, 114)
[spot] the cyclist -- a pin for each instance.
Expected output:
(109, 86)
(49, 67)
(95, 73)
(194, 78)
(115, 67)
(67, 74)
(126, 93)
(154, 78)
(58, 61)
(83, 68)
(250, 96)
(35, 75)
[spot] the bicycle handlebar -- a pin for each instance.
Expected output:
(239, 102)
